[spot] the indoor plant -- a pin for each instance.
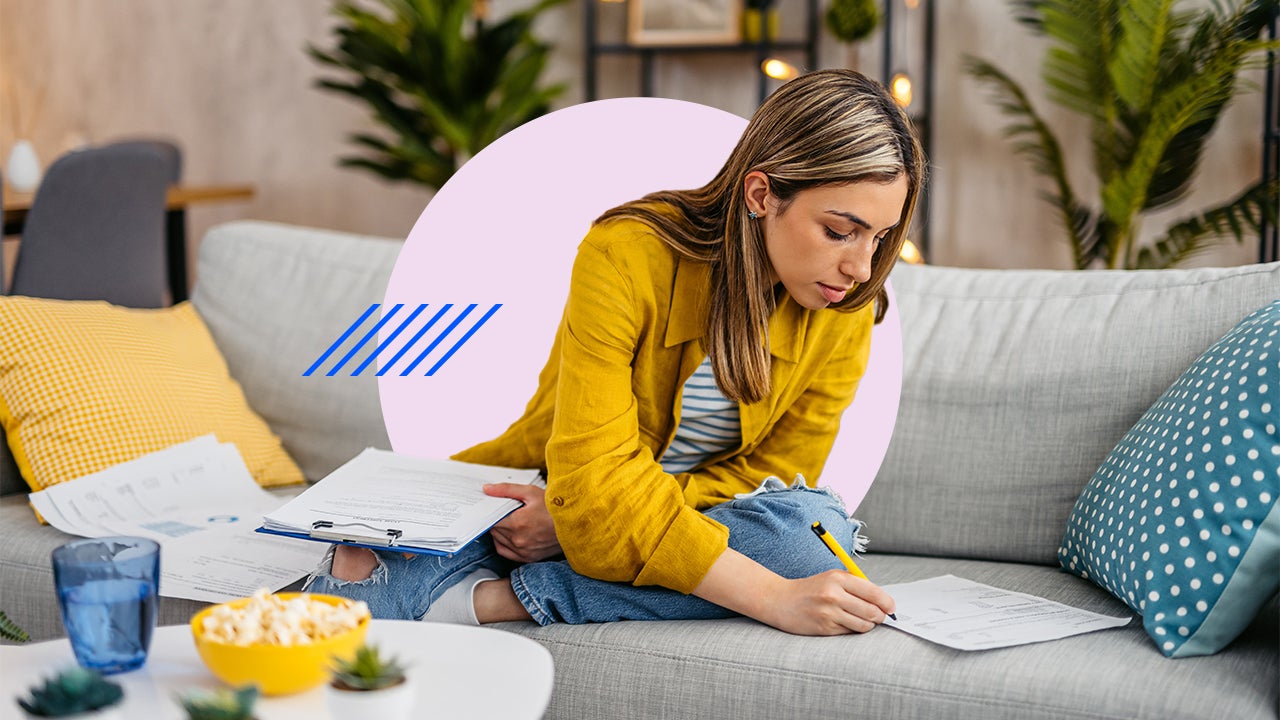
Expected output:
(220, 704)
(75, 692)
(443, 88)
(369, 685)
(1152, 82)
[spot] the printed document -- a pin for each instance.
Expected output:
(968, 615)
(198, 500)
(413, 504)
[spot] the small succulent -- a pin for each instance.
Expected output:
(10, 630)
(71, 692)
(220, 704)
(367, 670)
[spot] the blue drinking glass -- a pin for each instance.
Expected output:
(107, 588)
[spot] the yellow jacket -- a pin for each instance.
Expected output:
(608, 402)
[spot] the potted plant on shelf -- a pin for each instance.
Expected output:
(370, 685)
(1152, 81)
(75, 693)
(852, 20)
(220, 704)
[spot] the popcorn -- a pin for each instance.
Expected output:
(272, 620)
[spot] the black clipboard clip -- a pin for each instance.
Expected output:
(328, 530)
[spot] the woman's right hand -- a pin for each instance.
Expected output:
(829, 603)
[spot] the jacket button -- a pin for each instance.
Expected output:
(557, 501)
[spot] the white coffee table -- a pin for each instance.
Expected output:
(461, 672)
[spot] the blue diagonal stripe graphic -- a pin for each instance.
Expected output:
(338, 343)
(414, 340)
(373, 332)
(436, 342)
(391, 338)
(464, 339)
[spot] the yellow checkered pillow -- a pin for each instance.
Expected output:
(87, 385)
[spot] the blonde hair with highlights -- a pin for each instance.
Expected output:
(831, 127)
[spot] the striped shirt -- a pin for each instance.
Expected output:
(709, 423)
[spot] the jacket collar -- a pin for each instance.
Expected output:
(689, 303)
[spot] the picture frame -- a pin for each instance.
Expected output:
(684, 22)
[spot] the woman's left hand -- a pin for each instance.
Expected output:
(526, 535)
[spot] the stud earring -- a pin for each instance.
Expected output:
(752, 214)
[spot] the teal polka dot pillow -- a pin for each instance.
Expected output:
(1181, 522)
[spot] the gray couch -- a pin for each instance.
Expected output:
(1017, 385)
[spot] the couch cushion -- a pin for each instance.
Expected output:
(1180, 521)
(85, 385)
(742, 669)
(1016, 385)
(275, 298)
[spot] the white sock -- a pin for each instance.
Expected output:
(457, 604)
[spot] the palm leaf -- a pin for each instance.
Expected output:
(1233, 219)
(1033, 139)
(1144, 28)
(441, 83)
(1196, 100)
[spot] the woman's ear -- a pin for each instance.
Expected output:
(755, 188)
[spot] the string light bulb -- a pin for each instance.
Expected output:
(910, 253)
(779, 69)
(900, 88)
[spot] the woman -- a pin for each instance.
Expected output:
(711, 339)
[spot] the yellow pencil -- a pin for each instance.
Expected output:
(839, 552)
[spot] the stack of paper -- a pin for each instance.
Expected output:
(198, 500)
(382, 499)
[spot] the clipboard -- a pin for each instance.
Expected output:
(384, 500)
(362, 535)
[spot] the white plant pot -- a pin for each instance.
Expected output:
(393, 703)
(23, 170)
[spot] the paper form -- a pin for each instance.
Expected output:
(968, 615)
(434, 504)
(198, 500)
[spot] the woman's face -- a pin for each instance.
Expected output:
(821, 245)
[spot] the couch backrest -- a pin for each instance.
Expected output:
(1018, 383)
(275, 297)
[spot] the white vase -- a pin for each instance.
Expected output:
(393, 703)
(23, 170)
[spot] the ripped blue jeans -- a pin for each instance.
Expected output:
(770, 525)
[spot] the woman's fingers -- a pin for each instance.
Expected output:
(832, 603)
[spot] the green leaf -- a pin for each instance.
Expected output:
(1144, 27)
(440, 82)
(1033, 139)
(1196, 100)
(1235, 219)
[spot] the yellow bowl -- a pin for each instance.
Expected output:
(276, 669)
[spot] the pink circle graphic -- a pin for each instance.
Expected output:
(505, 230)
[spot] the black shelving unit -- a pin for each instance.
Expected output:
(922, 113)
(648, 54)
(1269, 235)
